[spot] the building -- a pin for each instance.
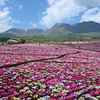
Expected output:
(11, 41)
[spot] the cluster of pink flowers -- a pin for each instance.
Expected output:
(75, 76)
(14, 54)
(93, 46)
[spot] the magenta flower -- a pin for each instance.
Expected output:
(16, 93)
(1, 91)
(3, 84)
(6, 87)
(33, 90)
(5, 77)
(48, 92)
(21, 85)
(22, 96)
(11, 96)
(4, 94)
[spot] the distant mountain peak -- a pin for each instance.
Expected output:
(59, 25)
(59, 29)
(34, 31)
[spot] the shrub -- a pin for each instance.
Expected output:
(22, 40)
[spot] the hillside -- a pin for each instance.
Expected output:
(14, 32)
(31, 32)
(85, 27)
(58, 31)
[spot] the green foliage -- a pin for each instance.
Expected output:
(22, 40)
(94, 37)
(4, 39)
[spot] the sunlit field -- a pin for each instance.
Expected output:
(49, 72)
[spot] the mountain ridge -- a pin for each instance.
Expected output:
(58, 30)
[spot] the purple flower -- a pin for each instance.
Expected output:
(22, 96)
(16, 93)
(6, 87)
(1, 91)
(21, 85)
(33, 90)
(3, 84)
(48, 92)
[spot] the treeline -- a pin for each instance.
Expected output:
(24, 40)
(4, 39)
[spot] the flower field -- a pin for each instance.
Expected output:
(93, 46)
(48, 72)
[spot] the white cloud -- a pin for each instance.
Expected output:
(91, 15)
(5, 20)
(4, 13)
(4, 24)
(51, 1)
(15, 21)
(20, 7)
(32, 24)
(2, 2)
(4, 17)
(88, 2)
(59, 10)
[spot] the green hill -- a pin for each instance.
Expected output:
(58, 31)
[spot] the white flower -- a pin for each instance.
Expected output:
(94, 98)
(43, 86)
(87, 95)
(34, 87)
(51, 87)
(46, 97)
(55, 91)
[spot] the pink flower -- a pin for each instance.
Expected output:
(33, 90)
(4, 94)
(6, 87)
(11, 96)
(48, 92)
(16, 93)
(22, 96)
(52, 99)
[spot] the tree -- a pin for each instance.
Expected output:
(93, 37)
(4, 39)
(22, 40)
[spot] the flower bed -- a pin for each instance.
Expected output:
(14, 54)
(93, 46)
(73, 76)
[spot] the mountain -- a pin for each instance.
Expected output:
(86, 27)
(14, 32)
(83, 27)
(5, 34)
(35, 33)
(59, 25)
(58, 31)
(76, 31)
(32, 32)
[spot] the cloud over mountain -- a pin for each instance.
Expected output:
(4, 19)
(59, 10)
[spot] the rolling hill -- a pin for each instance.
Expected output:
(14, 32)
(58, 31)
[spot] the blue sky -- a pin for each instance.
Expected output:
(27, 14)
